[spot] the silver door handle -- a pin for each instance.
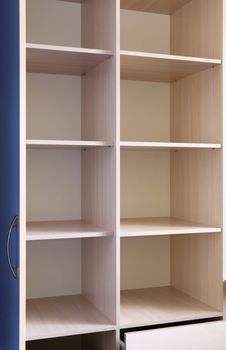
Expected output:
(12, 226)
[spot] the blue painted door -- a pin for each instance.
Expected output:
(9, 174)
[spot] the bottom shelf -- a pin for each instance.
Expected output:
(63, 316)
(160, 305)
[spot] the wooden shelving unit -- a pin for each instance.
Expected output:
(63, 316)
(162, 226)
(63, 60)
(161, 68)
(65, 144)
(47, 230)
(161, 305)
(164, 146)
(142, 112)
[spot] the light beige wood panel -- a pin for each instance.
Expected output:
(162, 226)
(63, 60)
(53, 107)
(53, 22)
(196, 267)
(160, 67)
(161, 305)
(98, 207)
(145, 262)
(205, 336)
(145, 184)
(98, 102)
(196, 107)
(166, 7)
(53, 185)
(164, 146)
(196, 29)
(140, 31)
(63, 316)
(65, 144)
(196, 186)
(98, 24)
(47, 230)
(53, 268)
(143, 118)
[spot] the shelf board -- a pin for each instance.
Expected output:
(64, 144)
(165, 7)
(63, 60)
(77, 1)
(161, 68)
(130, 145)
(48, 230)
(63, 316)
(162, 226)
(152, 306)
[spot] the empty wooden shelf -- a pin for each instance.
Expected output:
(166, 7)
(133, 145)
(159, 305)
(161, 67)
(63, 60)
(162, 226)
(48, 230)
(63, 316)
(65, 144)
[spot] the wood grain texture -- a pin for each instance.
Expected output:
(164, 146)
(63, 316)
(196, 186)
(166, 7)
(160, 305)
(160, 67)
(196, 267)
(47, 230)
(98, 102)
(63, 60)
(98, 207)
(196, 107)
(161, 226)
(98, 24)
(206, 336)
(196, 29)
(65, 144)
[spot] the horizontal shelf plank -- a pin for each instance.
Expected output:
(131, 145)
(162, 226)
(48, 230)
(152, 306)
(64, 144)
(166, 7)
(63, 316)
(77, 1)
(161, 68)
(63, 60)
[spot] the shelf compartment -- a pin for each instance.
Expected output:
(131, 145)
(160, 67)
(63, 60)
(63, 316)
(65, 144)
(162, 226)
(151, 306)
(47, 230)
(165, 7)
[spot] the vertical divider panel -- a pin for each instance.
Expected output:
(99, 165)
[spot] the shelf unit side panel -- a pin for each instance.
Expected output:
(196, 267)
(196, 29)
(196, 107)
(196, 186)
(98, 22)
(98, 102)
